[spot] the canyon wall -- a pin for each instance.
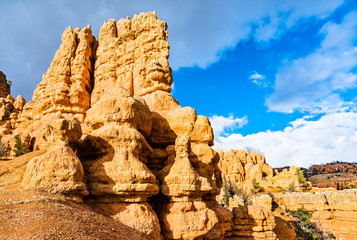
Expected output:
(331, 211)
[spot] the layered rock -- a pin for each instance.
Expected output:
(187, 216)
(107, 126)
(10, 112)
(115, 154)
(242, 168)
(253, 222)
(66, 86)
(132, 54)
(331, 211)
(58, 170)
(4, 86)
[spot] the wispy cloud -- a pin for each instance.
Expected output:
(259, 79)
(304, 142)
(224, 125)
(314, 83)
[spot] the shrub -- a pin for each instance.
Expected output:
(350, 185)
(3, 149)
(243, 194)
(292, 187)
(20, 148)
(305, 229)
(229, 190)
(256, 187)
(280, 189)
(300, 177)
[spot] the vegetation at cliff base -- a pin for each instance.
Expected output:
(305, 229)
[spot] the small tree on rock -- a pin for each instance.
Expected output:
(256, 186)
(3, 149)
(300, 177)
(20, 148)
(229, 190)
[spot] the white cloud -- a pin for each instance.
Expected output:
(259, 79)
(221, 125)
(313, 83)
(198, 30)
(305, 142)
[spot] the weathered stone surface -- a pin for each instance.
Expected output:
(134, 55)
(332, 211)
(263, 200)
(60, 132)
(115, 129)
(58, 170)
(119, 173)
(121, 107)
(19, 103)
(139, 216)
(4, 86)
(182, 179)
(253, 222)
(241, 167)
(65, 88)
(188, 220)
(66, 85)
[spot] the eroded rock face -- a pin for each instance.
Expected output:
(4, 86)
(132, 54)
(331, 211)
(253, 222)
(139, 216)
(241, 167)
(66, 85)
(65, 88)
(108, 128)
(58, 170)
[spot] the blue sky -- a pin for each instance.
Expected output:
(278, 77)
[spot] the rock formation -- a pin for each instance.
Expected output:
(242, 168)
(4, 86)
(108, 138)
(331, 211)
(104, 126)
(253, 222)
(58, 170)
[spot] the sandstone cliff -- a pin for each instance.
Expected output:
(242, 168)
(4, 86)
(331, 211)
(249, 173)
(105, 130)
(113, 150)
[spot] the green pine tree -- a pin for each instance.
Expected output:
(20, 148)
